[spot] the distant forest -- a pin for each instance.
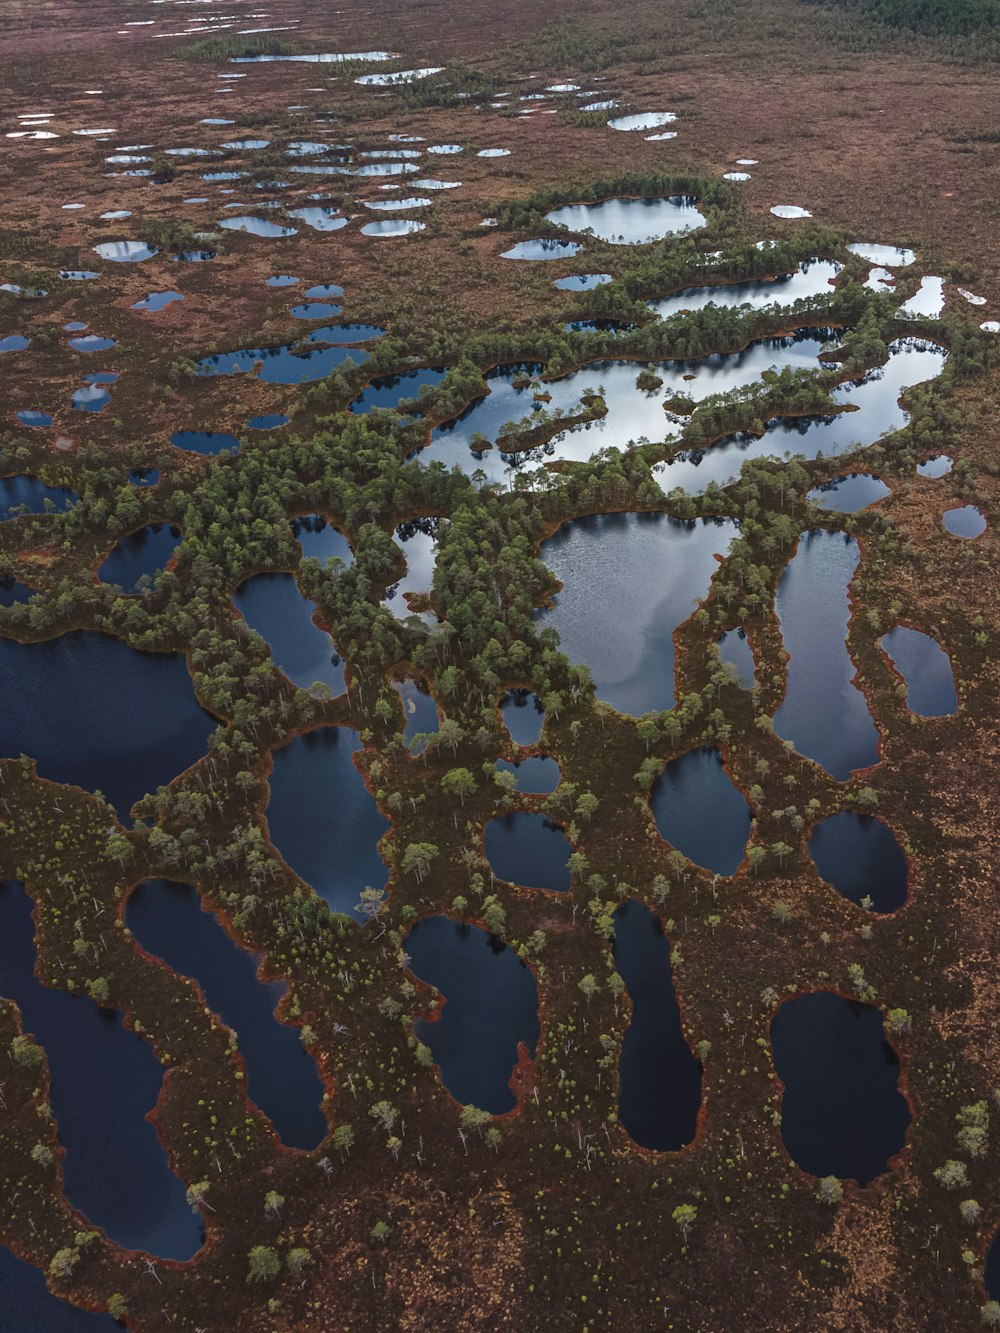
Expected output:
(951, 18)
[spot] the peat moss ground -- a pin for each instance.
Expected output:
(562, 1222)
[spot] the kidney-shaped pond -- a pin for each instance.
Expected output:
(700, 811)
(272, 605)
(490, 1010)
(842, 1113)
(105, 1081)
(322, 818)
(168, 921)
(926, 668)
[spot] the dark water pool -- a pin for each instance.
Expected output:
(860, 857)
(631, 221)
(105, 1080)
(523, 716)
(736, 654)
(96, 713)
(537, 773)
(842, 1113)
(140, 555)
(167, 920)
(700, 811)
(528, 849)
(490, 1009)
(967, 521)
(926, 668)
(419, 711)
(320, 540)
(12, 591)
(29, 495)
(391, 390)
(824, 713)
(281, 365)
(29, 1306)
(322, 818)
(205, 441)
(273, 605)
(660, 1090)
(629, 581)
(848, 494)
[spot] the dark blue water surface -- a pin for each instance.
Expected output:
(269, 421)
(33, 496)
(13, 591)
(926, 668)
(528, 849)
(320, 540)
(391, 390)
(629, 581)
(144, 476)
(538, 773)
(205, 441)
(322, 818)
(582, 282)
(273, 605)
(31, 417)
(145, 552)
(842, 1113)
(736, 652)
(491, 1005)
(29, 1306)
(168, 921)
(523, 716)
(96, 713)
(700, 811)
(824, 713)
(660, 1089)
(860, 857)
(105, 1081)
(992, 1270)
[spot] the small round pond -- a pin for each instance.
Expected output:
(860, 857)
